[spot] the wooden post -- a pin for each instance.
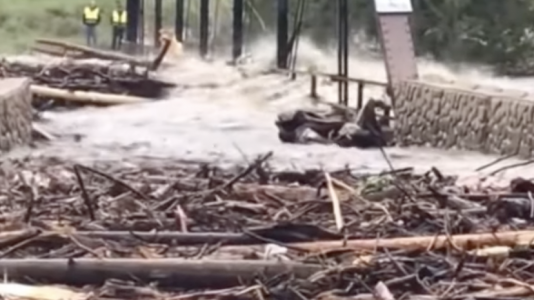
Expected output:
(158, 23)
(361, 86)
(140, 48)
(237, 38)
(132, 9)
(313, 86)
(282, 33)
(387, 115)
(343, 51)
(204, 27)
(179, 20)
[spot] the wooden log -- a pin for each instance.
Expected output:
(166, 45)
(418, 243)
(55, 52)
(462, 241)
(17, 291)
(181, 238)
(88, 75)
(280, 233)
(96, 53)
(81, 51)
(177, 273)
(90, 98)
(37, 64)
(41, 134)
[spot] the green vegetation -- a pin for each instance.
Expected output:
(495, 32)
(22, 21)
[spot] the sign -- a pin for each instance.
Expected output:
(393, 6)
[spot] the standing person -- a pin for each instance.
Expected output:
(119, 18)
(91, 19)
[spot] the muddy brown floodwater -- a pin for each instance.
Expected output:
(223, 114)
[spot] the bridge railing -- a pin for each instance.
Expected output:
(360, 82)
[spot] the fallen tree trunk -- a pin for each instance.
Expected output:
(95, 53)
(83, 51)
(281, 233)
(418, 243)
(167, 272)
(91, 98)
(39, 64)
(56, 52)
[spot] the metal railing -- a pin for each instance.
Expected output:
(360, 82)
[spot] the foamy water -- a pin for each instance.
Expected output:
(223, 114)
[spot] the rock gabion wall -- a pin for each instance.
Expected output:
(448, 115)
(15, 113)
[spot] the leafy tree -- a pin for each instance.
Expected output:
(495, 32)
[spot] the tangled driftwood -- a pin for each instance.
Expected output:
(101, 77)
(203, 232)
(84, 75)
(341, 126)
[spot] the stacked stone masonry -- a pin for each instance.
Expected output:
(446, 115)
(15, 113)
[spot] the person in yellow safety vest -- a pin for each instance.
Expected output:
(119, 18)
(91, 19)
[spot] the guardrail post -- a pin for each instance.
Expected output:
(343, 51)
(360, 94)
(387, 115)
(313, 87)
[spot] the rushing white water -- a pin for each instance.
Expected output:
(223, 113)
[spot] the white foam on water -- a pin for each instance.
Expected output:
(222, 113)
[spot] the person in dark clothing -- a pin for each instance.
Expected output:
(91, 19)
(119, 18)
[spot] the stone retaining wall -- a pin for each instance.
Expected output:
(446, 115)
(15, 113)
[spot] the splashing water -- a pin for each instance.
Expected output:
(222, 114)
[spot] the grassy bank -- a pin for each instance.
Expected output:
(22, 21)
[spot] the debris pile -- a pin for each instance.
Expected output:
(181, 230)
(339, 125)
(86, 76)
(82, 75)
